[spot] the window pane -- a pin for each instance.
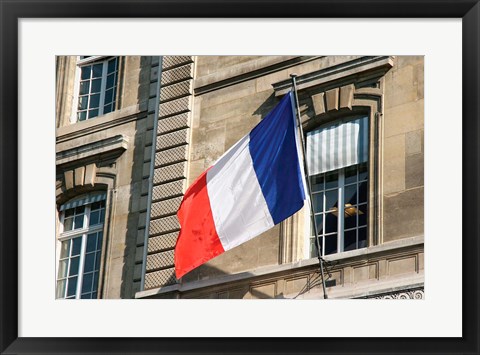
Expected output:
(362, 192)
(61, 288)
(331, 223)
(94, 218)
(82, 102)
(89, 262)
(62, 269)
(362, 237)
(94, 295)
(96, 85)
(82, 116)
(97, 70)
(91, 242)
(330, 244)
(80, 209)
(95, 281)
(70, 212)
(86, 296)
(107, 109)
(362, 215)
(351, 174)
(72, 286)
(94, 101)
(331, 179)
(350, 220)
(65, 249)
(110, 81)
(97, 261)
(84, 87)
(92, 113)
(317, 182)
(68, 224)
(362, 171)
(87, 282)
(86, 72)
(102, 215)
(112, 65)
(350, 240)
(97, 205)
(74, 262)
(350, 194)
(99, 240)
(77, 243)
(78, 222)
(108, 96)
(319, 221)
(318, 202)
(331, 200)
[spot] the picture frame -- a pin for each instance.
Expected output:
(11, 12)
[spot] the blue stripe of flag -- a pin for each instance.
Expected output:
(275, 160)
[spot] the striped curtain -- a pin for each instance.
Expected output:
(337, 146)
(84, 200)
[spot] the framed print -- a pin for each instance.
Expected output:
(323, 140)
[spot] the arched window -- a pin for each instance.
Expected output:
(80, 246)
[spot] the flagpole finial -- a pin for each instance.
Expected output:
(293, 75)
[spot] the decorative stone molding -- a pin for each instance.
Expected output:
(418, 294)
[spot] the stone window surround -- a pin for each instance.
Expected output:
(91, 60)
(352, 87)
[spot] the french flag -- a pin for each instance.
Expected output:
(255, 185)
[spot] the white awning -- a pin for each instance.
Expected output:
(84, 200)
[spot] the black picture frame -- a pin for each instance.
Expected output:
(12, 11)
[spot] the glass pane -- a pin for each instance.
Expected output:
(62, 269)
(350, 241)
(318, 202)
(74, 262)
(89, 262)
(87, 283)
(94, 218)
(330, 244)
(86, 72)
(84, 87)
(317, 182)
(362, 192)
(94, 101)
(96, 205)
(319, 221)
(61, 288)
(331, 200)
(72, 286)
(67, 224)
(65, 249)
(96, 85)
(77, 243)
(110, 81)
(362, 171)
(97, 261)
(78, 222)
(82, 116)
(95, 281)
(350, 219)
(91, 242)
(99, 241)
(97, 70)
(351, 174)
(82, 102)
(102, 215)
(80, 209)
(331, 180)
(108, 96)
(70, 212)
(350, 194)
(331, 223)
(362, 215)
(92, 113)
(107, 108)
(86, 296)
(362, 237)
(112, 65)
(94, 295)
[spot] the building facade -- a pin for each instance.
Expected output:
(134, 132)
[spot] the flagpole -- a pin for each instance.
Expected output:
(307, 178)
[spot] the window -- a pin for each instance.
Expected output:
(337, 157)
(97, 86)
(80, 243)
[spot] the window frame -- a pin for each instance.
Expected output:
(82, 233)
(91, 60)
(340, 187)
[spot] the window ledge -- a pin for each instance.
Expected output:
(268, 270)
